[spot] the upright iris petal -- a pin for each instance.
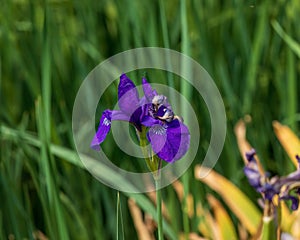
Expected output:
(128, 95)
(149, 92)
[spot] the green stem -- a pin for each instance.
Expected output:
(154, 164)
(268, 224)
(268, 229)
(186, 227)
(159, 212)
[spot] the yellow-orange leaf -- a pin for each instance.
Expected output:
(237, 201)
(223, 220)
(206, 223)
(177, 185)
(194, 236)
(287, 218)
(244, 145)
(288, 140)
(138, 221)
(295, 230)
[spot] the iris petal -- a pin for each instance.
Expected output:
(295, 201)
(105, 125)
(149, 121)
(179, 133)
(253, 177)
(157, 136)
(135, 118)
(149, 92)
(103, 130)
(250, 155)
(127, 95)
(169, 141)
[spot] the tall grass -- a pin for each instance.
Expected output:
(251, 50)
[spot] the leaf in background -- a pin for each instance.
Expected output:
(72, 157)
(146, 205)
(225, 225)
(237, 201)
(140, 226)
(165, 212)
(240, 133)
(243, 144)
(294, 45)
(205, 219)
(288, 140)
(287, 218)
(295, 230)
(194, 236)
(178, 187)
(243, 234)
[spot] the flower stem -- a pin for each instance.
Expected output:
(154, 164)
(159, 212)
(268, 231)
(186, 227)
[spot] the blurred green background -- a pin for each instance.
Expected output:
(250, 48)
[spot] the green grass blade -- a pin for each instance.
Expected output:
(145, 204)
(294, 45)
(255, 57)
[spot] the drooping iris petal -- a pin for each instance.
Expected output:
(169, 141)
(105, 125)
(149, 92)
(179, 132)
(128, 97)
(103, 130)
(157, 136)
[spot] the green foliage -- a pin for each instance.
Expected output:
(251, 49)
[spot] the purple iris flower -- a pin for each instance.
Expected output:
(168, 136)
(286, 187)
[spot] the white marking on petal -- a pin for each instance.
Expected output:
(106, 122)
(158, 130)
